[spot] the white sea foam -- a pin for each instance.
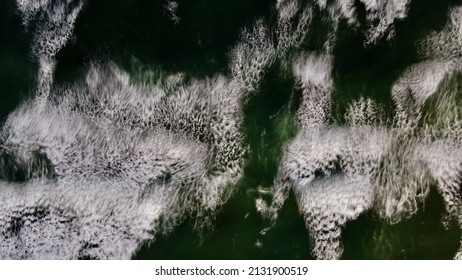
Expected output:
(126, 161)
(337, 173)
(109, 188)
(292, 25)
(329, 167)
(294, 19)
(417, 84)
(30, 8)
(363, 112)
(171, 7)
(92, 219)
(427, 151)
(425, 154)
(381, 15)
(175, 145)
(331, 170)
(53, 24)
(339, 9)
(447, 42)
(252, 55)
(314, 75)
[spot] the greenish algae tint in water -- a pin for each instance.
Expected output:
(152, 40)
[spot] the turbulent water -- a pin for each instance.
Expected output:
(100, 160)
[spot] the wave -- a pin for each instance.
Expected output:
(183, 140)
(119, 162)
(371, 163)
(97, 168)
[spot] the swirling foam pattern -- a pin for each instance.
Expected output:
(97, 168)
(337, 173)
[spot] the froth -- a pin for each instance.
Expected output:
(314, 75)
(428, 141)
(93, 219)
(447, 42)
(329, 167)
(331, 171)
(177, 147)
(381, 15)
(52, 24)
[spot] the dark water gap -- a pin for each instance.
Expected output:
(123, 30)
(17, 68)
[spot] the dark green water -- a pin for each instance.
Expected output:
(126, 31)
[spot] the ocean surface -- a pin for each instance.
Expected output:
(230, 129)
